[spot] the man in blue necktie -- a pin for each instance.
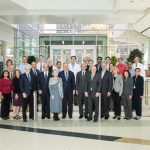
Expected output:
(28, 86)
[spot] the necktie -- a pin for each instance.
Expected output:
(46, 76)
(34, 71)
(83, 74)
(92, 77)
(11, 75)
(136, 65)
(41, 67)
(29, 78)
(66, 75)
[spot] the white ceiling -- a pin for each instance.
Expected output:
(67, 11)
(135, 12)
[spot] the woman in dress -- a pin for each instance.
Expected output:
(17, 96)
(56, 94)
(127, 94)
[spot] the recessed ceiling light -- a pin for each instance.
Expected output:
(131, 1)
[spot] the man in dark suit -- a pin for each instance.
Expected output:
(106, 88)
(69, 90)
(98, 65)
(92, 91)
(138, 90)
(43, 89)
(35, 72)
(80, 87)
(27, 85)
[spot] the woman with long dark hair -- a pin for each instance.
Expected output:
(17, 95)
(5, 92)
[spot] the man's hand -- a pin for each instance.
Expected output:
(24, 95)
(40, 92)
(97, 94)
(108, 94)
(86, 94)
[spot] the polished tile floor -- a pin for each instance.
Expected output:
(73, 134)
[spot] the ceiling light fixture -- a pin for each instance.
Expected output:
(131, 1)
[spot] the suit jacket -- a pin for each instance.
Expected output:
(42, 84)
(128, 86)
(118, 84)
(87, 68)
(93, 85)
(107, 82)
(68, 85)
(138, 83)
(35, 75)
(80, 81)
(26, 86)
(51, 68)
(98, 69)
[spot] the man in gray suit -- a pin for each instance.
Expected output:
(80, 87)
(106, 88)
(92, 91)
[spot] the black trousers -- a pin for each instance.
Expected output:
(75, 99)
(137, 105)
(105, 105)
(45, 99)
(5, 105)
(93, 105)
(117, 103)
(28, 101)
(81, 101)
(67, 102)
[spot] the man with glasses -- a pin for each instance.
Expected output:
(85, 61)
(27, 85)
(80, 88)
(68, 80)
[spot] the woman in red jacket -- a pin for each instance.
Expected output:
(5, 92)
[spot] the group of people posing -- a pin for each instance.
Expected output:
(95, 88)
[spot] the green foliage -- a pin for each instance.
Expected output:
(31, 59)
(135, 53)
(114, 60)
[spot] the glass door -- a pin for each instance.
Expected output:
(66, 56)
(79, 53)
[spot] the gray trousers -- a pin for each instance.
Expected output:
(81, 101)
(93, 105)
(127, 103)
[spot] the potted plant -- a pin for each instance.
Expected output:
(114, 60)
(135, 53)
(31, 59)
